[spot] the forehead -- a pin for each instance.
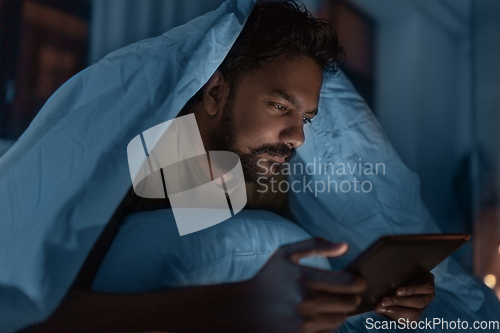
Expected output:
(299, 78)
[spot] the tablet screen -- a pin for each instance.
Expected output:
(393, 261)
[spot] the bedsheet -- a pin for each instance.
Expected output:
(5, 145)
(62, 180)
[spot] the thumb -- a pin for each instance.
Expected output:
(317, 246)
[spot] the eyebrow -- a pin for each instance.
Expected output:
(313, 112)
(284, 95)
(291, 99)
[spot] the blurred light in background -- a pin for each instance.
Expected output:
(490, 280)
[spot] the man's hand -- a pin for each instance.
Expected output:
(283, 296)
(409, 301)
(290, 297)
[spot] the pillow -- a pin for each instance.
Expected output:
(357, 203)
(352, 186)
(148, 253)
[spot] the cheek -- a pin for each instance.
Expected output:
(254, 128)
(255, 134)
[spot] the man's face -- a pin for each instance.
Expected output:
(263, 118)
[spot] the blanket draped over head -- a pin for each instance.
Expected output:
(62, 180)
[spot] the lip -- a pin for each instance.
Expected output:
(278, 159)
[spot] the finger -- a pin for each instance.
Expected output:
(414, 301)
(319, 302)
(333, 282)
(312, 247)
(397, 312)
(322, 322)
(427, 288)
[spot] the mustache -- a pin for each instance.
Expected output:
(278, 150)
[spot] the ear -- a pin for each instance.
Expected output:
(213, 92)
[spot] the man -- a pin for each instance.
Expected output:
(256, 105)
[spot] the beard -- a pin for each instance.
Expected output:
(256, 170)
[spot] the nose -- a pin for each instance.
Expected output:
(293, 134)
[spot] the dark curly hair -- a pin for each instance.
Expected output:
(277, 30)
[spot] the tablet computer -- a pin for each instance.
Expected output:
(394, 261)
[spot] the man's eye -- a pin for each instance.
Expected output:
(306, 120)
(280, 107)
